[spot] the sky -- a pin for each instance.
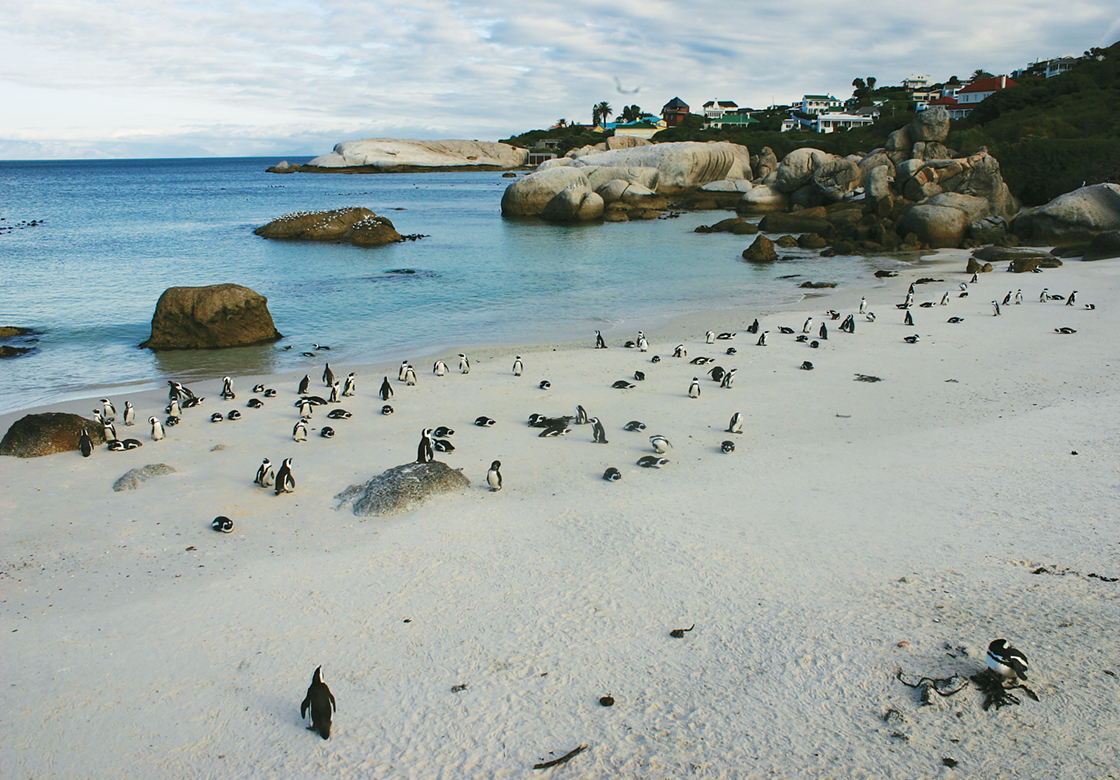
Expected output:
(168, 78)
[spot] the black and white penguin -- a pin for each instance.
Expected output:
(518, 366)
(335, 392)
(321, 702)
(464, 364)
(484, 421)
(265, 476)
(108, 410)
(410, 376)
(116, 446)
(700, 361)
(554, 428)
(494, 476)
(814, 344)
(753, 327)
(762, 338)
(783, 329)
(401, 370)
(710, 337)
(227, 389)
(808, 324)
(581, 415)
(255, 403)
(174, 408)
(732, 351)
(1006, 661)
(327, 432)
(600, 343)
(132, 444)
(802, 339)
(912, 339)
(944, 300)
(995, 308)
(643, 345)
(425, 453)
(306, 408)
(1018, 297)
(258, 388)
(157, 429)
(386, 391)
(717, 373)
(694, 388)
(622, 384)
(304, 384)
(823, 333)
(909, 300)
(974, 280)
(862, 305)
(640, 376)
(849, 324)
(908, 320)
(833, 314)
(442, 432)
(109, 429)
(655, 359)
(806, 366)
(442, 445)
(270, 393)
(1065, 331)
(726, 336)
(299, 432)
(736, 424)
(727, 446)
(679, 351)
(598, 433)
(85, 443)
(634, 425)
(1007, 298)
(1044, 295)
(222, 524)
(728, 378)
(350, 386)
(217, 417)
(545, 384)
(1070, 299)
(955, 320)
(321, 346)
(926, 305)
(171, 421)
(659, 443)
(191, 403)
(612, 474)
(129, 413)
(652, 462)
(386, 409)
(439, 368)
(285, 482)
(328, 375)
(339, 414)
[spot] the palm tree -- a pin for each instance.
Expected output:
(601, 112)
(561, 123)
(980, 73)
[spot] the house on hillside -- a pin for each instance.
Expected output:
(674, 112)
(645, 127)
(818, 104)
(949, 103)
(731, 121)
(916, 83)
(972, 94)
(714, 109)
(828, 122)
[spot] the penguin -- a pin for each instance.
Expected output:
(174, 408)
(335, 389)
(443, 445)
(700, 361)
(110, 430)
(439, 368)
(717, 374)
(227, 389)
(622, 384)
(612, 474)
(728, 378)
(116, 446)
(321, 702)
(517, 366)
(386, 409)
(1044, 295)
(328, 375)
(306, 409)
(652, 462)
(129, 413)
(694, 388)
(659, 443)
(157, 429)
(910, 290)
(1007, 298)
(944, 300)
(726, 336)
(321, 347)
(679, 351)
(85, 443)
(299, 432)
(401, 371)
(132, 444)
(862, 305)
(190, 403)
(265, 476)
(339, 414)
(171, 421)
(109, 410)
(823, 333)
(410, 376)
(655, 359)
(1006, 661)
(1089, 306)
(581, 415)
(555, 428)
(908, 320)
(545, 384)
(1065, 331)
(807, 326)
(285, 482)
(464, 364)
(640, 376)
(974, 280)
(909, 300)
(600, 343)
(494, 476)
(753, 327)
(802, 339)
(814, 344)
(255, 403)
(710, 337)
(424, 450)
(732, 351)
(634, 425)
(912, 339)
(762, 338)
(270, 393)
(327, 432)
(727, 446)
(304, 384)
(350, 386)
(386, 391)
(833, 314)
(222, 524)
(955, 320)
(963, 286)
(643, 345)
(1070, 299)
(443, 432)
(849, 324)
(926, 305)
(736, 424)
(258, 388)
(1018, 297)
(784, 330)
(995, 307)
(216, 417)
(484, 422)
(806, 366)
(598, 433)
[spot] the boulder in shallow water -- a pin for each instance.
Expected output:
(761, 251)
(221, 315)
(353, 223)
(402, 489)
(35, 435)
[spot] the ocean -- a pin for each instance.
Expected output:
(112, 235)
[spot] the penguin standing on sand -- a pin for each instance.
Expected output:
(410, 376)
(424, 451)
(694, 388)
(518, 367)
(807, 326)
(660, 444)
(728, 378)
(581, 415)
(464, 364)
(110, 411)
(753, 327)
(598, 433)
(1006, 661)
(600, 343)
(328, 375)
(85, 443)
(227, 389)
(494, 476)
(995, 308)
(299, 432)
(386, 391)
(304, 384)
(1007, 298)
(109, 429)
(710, 337)
(265, 476)
(439, 368)
(351, 385)
(129, 413)
(1070, 299)
(736, 424)
(1018, 297)
(862, 305)
(285, 482)
(643, 345)
(944, 300)
(401, 370)
(762, 338)
(306, 409)
(321, 702)
(174, 408)
(1044, 295)
(908, 320)
(157, 428)
(335, 392)
(823, 335)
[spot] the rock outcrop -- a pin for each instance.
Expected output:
(761, 251)
(1103, 246)
(402, 489)
(221, 315)
(1073, 218)
(530, 195)
(354, 224)
(35, 435)
(681, 166)
(390, 155)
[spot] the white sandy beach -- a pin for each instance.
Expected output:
(858, 529)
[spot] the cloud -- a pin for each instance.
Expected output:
(84, 72)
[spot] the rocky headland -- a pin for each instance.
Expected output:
(393, 155)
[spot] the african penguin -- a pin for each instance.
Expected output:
(659, 443)
(424, 450)
(736, 424)
(299, 432)
(1006, 661)
(227, 389)
(285, 482)
(129, 413)
(694, 388)
(464, 364)
(265, 476)
(612, 474)
(598, 433)
(85, 443)
(304, 384)
(518, 367)
(157, 429)
(494, 476)
(386, 391)
(328, 375)
(321, 702)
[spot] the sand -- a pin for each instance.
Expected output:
(858, 530)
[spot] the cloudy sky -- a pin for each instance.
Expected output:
(140, 78)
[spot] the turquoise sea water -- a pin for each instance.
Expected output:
(116, 233)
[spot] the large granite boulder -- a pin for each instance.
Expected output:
(528, 196)
(626, 142)
(221, 315)
(396, 154)
(836, 178)
(597, 176)
(355, 224)
(1073, 218)
(937, 226)
(1103, 246)
(977, 175)
(761, 251)
(930, 125)
(797, 167)
(574, 203)
(764, 163)
(402, 489)
(681, 166)
(761, 199)
(35, 435)
(634, 195)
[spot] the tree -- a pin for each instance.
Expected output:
(601, 112)
(631, 113)
(862, 94)
(980, 73)
(561, 123)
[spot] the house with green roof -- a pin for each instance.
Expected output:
(731, 122)
(819, 104)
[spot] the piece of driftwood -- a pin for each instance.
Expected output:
(563, 759)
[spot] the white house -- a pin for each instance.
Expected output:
(818, 104)
(714, 109)
(916, 82)
(969, 96)
(826, 123)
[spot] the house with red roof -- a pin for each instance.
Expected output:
(960, 102)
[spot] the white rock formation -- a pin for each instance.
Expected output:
(395, 153)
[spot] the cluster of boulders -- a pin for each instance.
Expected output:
(355, 224)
